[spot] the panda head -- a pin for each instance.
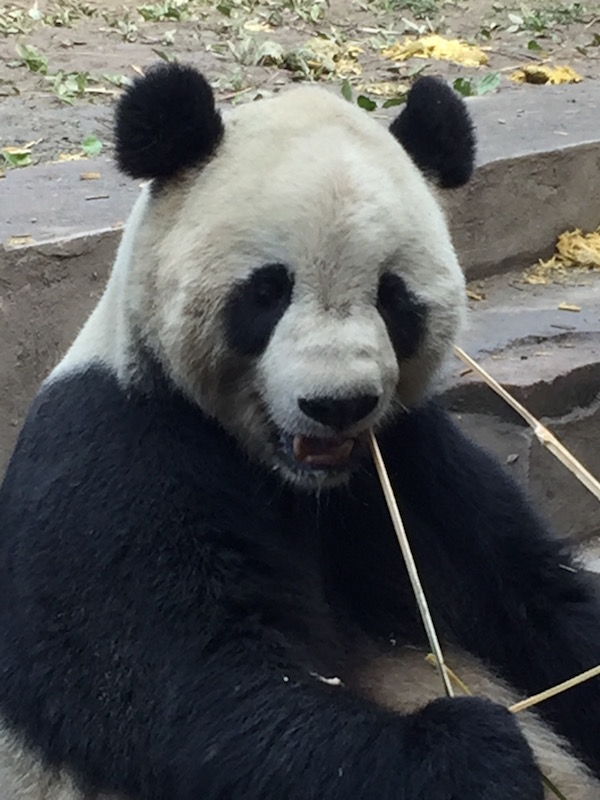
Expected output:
(292, 271)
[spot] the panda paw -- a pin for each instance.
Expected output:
(472, 748)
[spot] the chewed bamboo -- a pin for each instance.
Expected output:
(411, 567)
(544, 436)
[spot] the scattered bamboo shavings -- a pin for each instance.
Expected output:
(542, 73)
(569, 307)
(437, 47)
(411, 567)
(575, 251)
(544, 436)
(554, 690)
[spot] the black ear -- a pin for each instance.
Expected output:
(437, 132)
(166, 121)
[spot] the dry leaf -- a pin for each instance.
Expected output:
(384, 88)
(326, 55)
(437, 47)
(568, 307)
(256, 25)
(81, 156)
(19, 241)
(475, 295)
(541, 73)
(22, 150)
(89, 176)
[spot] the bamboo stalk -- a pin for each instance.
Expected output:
(544, 436)
(558, 689)
(411, 567)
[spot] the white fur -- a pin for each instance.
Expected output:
(405, 682)
(24, 777)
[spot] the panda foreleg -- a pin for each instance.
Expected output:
(247, 732)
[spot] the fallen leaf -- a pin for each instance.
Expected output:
(384, 88)
(12, 150)
(437, 47)
(568, 307)
(256, 25)
(71, 157)
(19, 241)
(323, 54)
(542, 73)
(475, 295)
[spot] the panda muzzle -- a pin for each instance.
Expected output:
(321, 452)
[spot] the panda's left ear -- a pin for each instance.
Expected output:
(437, 132)
(166, 121)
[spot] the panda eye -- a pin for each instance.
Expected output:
(405, 316)
(255, 306)
(271, 285)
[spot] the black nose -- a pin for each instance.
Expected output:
(338, 413)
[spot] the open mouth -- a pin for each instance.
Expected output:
(319, 453)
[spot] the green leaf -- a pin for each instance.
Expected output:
(17, 158)
(365, 102)
(394, 101)
(347, 91)
(170, 58)
(32, 58)
(533, 45)
(464, 86)
(91, 146)
(488, 84)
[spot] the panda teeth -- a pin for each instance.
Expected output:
(317, 452)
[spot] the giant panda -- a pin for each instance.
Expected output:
(202, 597)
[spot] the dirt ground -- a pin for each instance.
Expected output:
(62, 64)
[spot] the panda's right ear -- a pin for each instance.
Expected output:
(166, 121)
(437, 132)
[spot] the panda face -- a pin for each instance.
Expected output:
(301, 286)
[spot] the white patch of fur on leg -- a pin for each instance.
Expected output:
(24, 777)
(404, 681)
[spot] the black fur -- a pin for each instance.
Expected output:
(166, 121)
(255, 306)
(404, 315)
(163, 604)
(436, 130)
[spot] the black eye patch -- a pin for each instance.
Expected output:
(255, 306)
(404, 315)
